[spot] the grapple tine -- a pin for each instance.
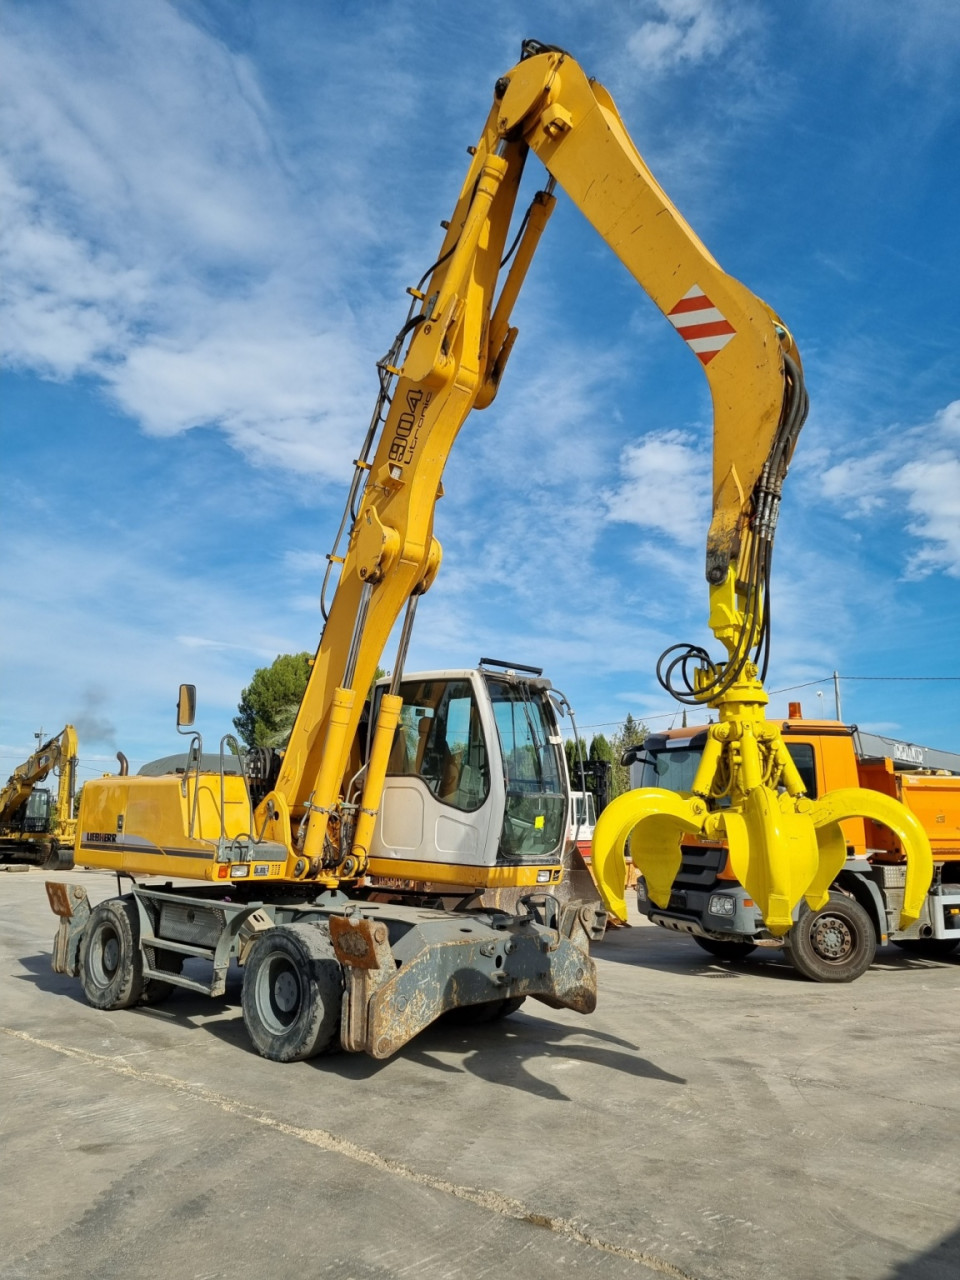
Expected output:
(832, 848)
(773, 853)
(659, 818)
(858, 802)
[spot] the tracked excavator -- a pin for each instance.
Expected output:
(36, 826)
(403, 859)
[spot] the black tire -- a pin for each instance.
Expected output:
(292, 993)
(475, 1015)
(155, 990)
(931, 948)
(725, 948)
(835, 944)
(111, 966)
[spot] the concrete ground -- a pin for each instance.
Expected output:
(708, 1121)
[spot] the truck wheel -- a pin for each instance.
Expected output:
(835, 944)
(292, 993)
(111, 966)
(725, 948)
(931, 948)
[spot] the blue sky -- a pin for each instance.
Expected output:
(212, 210)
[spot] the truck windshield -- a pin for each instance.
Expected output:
(536, 801)
(673, 770)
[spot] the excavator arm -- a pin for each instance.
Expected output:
(57, 753)
(448, 359)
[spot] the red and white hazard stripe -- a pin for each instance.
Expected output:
(702, 326)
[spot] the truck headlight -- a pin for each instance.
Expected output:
(721, 904)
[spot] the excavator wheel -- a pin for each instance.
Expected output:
(292, 993)
(155, 990)
(725, 948)
(835, 944)
(111, 966)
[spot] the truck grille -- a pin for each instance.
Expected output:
(699, 867)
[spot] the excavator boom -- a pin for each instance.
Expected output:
(459, 337)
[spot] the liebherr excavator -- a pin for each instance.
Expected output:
(298, 861)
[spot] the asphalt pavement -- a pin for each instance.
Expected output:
(710, 1121)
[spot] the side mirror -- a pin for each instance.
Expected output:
(186, 706)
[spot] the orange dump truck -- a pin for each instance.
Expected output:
(838, 942)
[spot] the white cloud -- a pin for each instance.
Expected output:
(921, 464)
(156, 237)
(283, 395)
(686, 32)
(947, 421)
(66, 305)
(665, 487)
(932, 489)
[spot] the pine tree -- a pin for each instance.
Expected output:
(630, 733)
(269, 704)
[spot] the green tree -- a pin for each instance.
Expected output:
(630, 733)
(268, 706)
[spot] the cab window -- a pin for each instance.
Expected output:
(439, 740)
(803, 757)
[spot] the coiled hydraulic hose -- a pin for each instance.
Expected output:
(677, 666)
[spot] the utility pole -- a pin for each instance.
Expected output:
(836, 693)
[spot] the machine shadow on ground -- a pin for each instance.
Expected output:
(644, 948)
(497, 1052)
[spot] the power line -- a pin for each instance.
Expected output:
(790, 688)
(669, 715)
(895, 678)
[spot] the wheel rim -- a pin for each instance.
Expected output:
(105, 955)
(278, 993)
(833, 939)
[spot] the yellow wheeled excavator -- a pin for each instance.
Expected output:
(403, 858)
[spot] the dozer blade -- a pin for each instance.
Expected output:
(856, 802)
(656, 820)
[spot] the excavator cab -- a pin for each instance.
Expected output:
(476, 775)
(35, 816)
